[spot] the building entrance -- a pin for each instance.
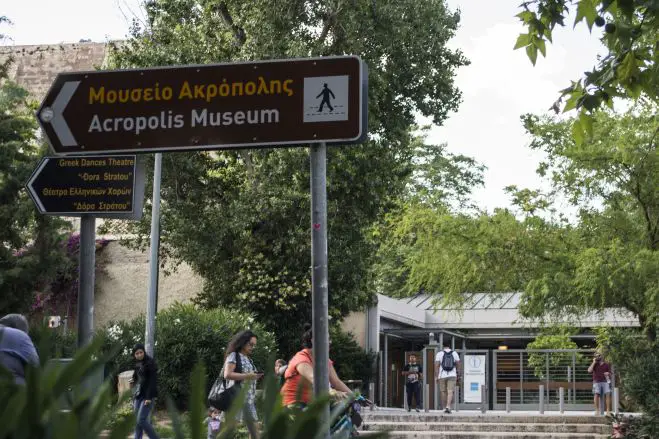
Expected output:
(485, 375)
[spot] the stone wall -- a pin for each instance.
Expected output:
(35, 67)
(355, 323)
(122, 284)
(122, 277)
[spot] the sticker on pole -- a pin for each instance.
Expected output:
(326, 98)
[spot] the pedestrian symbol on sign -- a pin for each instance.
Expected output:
(326, 93)
(332, 92)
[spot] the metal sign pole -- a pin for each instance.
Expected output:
(87, 262)
(319, 288)
(152, 298)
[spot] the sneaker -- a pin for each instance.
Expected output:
(417, 410)
(447, 411)
(409, 410)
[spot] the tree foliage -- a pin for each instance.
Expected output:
(30, 253)
(555, 338)
(439, 178)
(241, 219)
(636, 361)
(350, 360)
(608, 259)
(629, 70)
(4, 65)
(450, 254)
(614, 262)
(186, 335)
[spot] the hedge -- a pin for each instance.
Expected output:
(186, 335)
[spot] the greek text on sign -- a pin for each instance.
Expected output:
(84, 185)
(218, 106)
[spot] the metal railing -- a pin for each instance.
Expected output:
(532, 374)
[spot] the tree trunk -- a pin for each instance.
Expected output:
(650, 329)
(651, 332)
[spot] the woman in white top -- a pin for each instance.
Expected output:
(243, 344)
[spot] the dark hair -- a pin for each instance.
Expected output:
(447, 344)
(239, 341)
(307, 336)
(16, 321)
(139, 347)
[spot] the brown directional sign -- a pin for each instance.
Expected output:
(220, 106)
(104, 186)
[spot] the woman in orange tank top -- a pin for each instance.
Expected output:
(300, 373)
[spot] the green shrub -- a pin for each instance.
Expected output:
(53, 343)
(121, 411)
(350, 360)
(185, 336)
(553, 338)
(636, 362)
(32, 411)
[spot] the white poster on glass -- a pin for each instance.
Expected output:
(474, 377)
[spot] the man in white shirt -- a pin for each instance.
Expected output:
(447, 362)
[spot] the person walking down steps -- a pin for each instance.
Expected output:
(413, 371)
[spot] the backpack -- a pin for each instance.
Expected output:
(448, 362)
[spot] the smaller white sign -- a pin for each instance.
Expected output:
(474, 377)
(326, 98)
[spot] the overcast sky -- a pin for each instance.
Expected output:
(498, 86)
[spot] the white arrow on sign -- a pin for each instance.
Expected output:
(30, 189)
(54, 115)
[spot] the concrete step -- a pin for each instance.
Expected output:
(489, 435)
(490, 427)
(459, 417)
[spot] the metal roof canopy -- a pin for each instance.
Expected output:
(472, 301)
(423, 332)
(401, 333)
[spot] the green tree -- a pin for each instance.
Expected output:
(241, 219)
(350, 360)
(636, 361)
(4, 66)
(439, 185)
(555, 337)
(608, 259)
(629, 70)
(30, 252)
(448, 254)
(615, 262)
(441, 179)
